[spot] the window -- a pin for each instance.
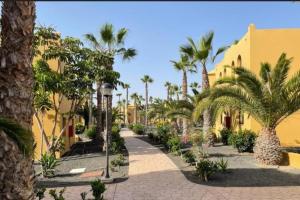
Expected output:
(224, 71)
(232, 63)
(239, 61)
(220, 75)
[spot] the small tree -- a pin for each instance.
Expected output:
(69, 82)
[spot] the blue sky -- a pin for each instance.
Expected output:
(157, 29)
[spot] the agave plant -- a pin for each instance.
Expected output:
(49, 162)
(269, 98)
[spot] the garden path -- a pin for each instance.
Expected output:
(153, 176)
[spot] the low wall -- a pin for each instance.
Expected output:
(291, 159)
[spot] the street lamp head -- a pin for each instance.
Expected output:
(106, 89)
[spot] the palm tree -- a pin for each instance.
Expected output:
(135, 98)
(110, 44)
(119, 96)
(168, 85)
(201, 54)
(126, 87)
(194, 86)
(269, 98)
(119, 101)
(184, 65)
(146, 79)
(16, 111)
(176, 89)
(124, 109)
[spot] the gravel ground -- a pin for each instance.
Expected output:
(84, 155)
(243, 170)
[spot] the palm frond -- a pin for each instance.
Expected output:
(107, 34)
(219, 51)
(92, 40)
(121, 35)
(128, 54)
(22, 136)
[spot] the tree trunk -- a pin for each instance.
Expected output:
(16, 100)
(184, 97)
(90, 110)
(206, 114)
(146, 114)
(168, 93)
(126, 108)
(99, 113)
(135, 112)
(267, 147)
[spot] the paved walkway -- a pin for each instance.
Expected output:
(153, 176)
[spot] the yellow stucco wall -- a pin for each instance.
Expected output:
(255, 47)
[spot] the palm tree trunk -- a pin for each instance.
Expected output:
(184, 97)
(206, 114)
(126, 108)
(90, 110)
(135, 112)
(267, 147)
(99, 113)
(16, 85)
(168, 93)
(146, 114)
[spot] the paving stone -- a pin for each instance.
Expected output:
(153, 176)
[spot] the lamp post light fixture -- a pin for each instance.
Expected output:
(106, 90)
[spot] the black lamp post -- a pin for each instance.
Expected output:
(106, 90)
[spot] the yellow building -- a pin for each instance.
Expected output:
(255, 47)
(69, 137)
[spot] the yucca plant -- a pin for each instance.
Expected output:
(269, 98)
(49, 162)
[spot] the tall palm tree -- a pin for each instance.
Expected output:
(202, 53)
(176, 89)
(269, 98)
(119, 101)
(119, 96)
(146, 79)
(111, 44)
(135, 98)
(124, 109)
(184, 65)
(126, 87)
(168, 85)
(16, 105)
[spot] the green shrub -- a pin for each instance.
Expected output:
(49, 162)
(40, 193)
(222, 165)
(117, 142)
(130, 126)
(91, 132)
(189, 157)
(79, 128)
(196, 138)
(115, 129)
(205, 168)
(243, 140)
(55, 196)
(98, 188)
(163, 134)
(118, 161)
(174, 143)
(225, 134)
(138, 129)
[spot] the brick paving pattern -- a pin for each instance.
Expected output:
(153, 176)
